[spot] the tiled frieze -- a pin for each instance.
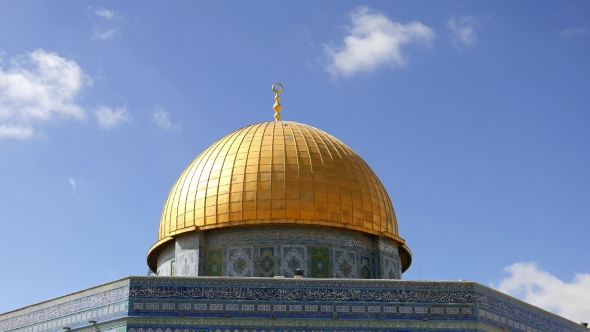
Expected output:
(382, 293)
(75, 303)
(78, 319)
(303, 293)
(202, 324)
(171, 303)
(293, 234)
(497, 312)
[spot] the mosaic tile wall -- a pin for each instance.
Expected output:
(205, 304)
(338, 304)
(387, 256)
(165, 261)
(104, 302)
(187, 254)
(269, 251)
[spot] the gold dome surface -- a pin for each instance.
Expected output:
(277, 173)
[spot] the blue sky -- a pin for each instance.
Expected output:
(475, 116)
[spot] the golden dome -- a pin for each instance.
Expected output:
(278, 173)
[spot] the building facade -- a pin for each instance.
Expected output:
(225, 304)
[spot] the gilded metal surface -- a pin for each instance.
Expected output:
(276, 170)
(277, 173)
(277, 88)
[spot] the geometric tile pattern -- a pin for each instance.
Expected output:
(215, 263)
(391, 268)
(267, 262)
(269, 252)
(345, 264)
(292, 258)
(320, 262)
(181, 304)
(239, 262)
(379, 299)
(366, 267)
(165, 260)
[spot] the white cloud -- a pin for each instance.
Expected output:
(162, 119)
(104, 13)
(38, 88)
(463, 33)
(373, 41)
(109, 118)
(574, 31)
(72, 183)
(15, 131)
(537, 287)
(106, 35)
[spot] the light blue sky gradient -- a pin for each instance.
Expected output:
(483, 147)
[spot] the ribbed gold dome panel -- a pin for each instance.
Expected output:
(278, 173)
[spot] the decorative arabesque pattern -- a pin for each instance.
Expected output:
(240, 263)
(345, 264)
(267, 262)
(366, 267)
(171, 303)
(292, 258)
(320, 262)
(215, 263)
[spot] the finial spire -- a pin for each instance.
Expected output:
(277, 88)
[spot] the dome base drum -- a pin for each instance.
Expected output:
(267, 251)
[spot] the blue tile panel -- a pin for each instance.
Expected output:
(267, 262)
(101, 302)
(293, 325)
(185, 304)
(393, 298)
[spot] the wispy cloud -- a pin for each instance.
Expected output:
(463, 35)
(574, 31)
(537, 287)
(106, 35)
(162, 119)
(38, 87)
(372, 41)
(104, 13)
(109, 118)
(72, 183)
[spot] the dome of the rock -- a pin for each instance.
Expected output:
(273, 176)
